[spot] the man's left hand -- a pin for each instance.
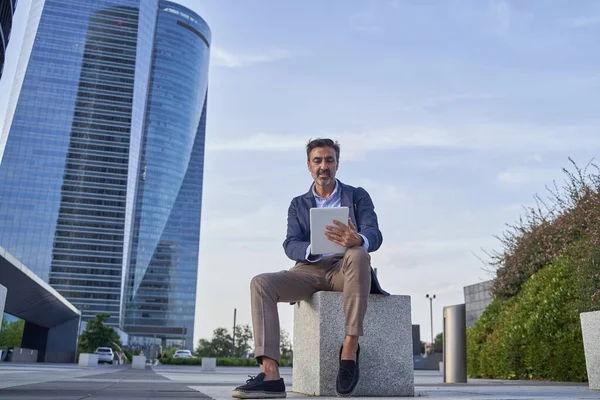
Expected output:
(343, 234)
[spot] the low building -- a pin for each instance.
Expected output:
(477, 298)
(51, 322)
(416, 337)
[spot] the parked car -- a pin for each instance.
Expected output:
(105, 355)
(182, 354)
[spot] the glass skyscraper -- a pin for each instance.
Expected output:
(161, 284)
(7, 11)
(101, 174)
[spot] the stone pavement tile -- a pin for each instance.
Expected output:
(427, 384)
(127, 373)
(223, 376)
(507, 392)
(114, 385)
(181, 382)
(26, 374)
(488, 392)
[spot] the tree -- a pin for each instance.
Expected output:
(221, 343)
(11, 333)
(438, 343)
(285, 346)
(219, 346)
(202, 349)
(243, 336)
(423, 347)
(98, 334)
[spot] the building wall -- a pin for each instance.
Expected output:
(477, 298)
(87, 254)
(416, 338)
(33, 21)
(3, 294)
(164, 259)
(65, 165)
(7, 11)
(102, 169)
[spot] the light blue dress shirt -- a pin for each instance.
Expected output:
(335, 200)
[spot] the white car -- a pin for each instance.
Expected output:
(182, 354)
(105, 355)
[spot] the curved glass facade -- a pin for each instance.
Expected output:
(64, 170)
(101, 174)
(87, 253)
(161, 286)
(7, 11)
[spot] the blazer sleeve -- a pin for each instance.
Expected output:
(367, 219)
(295, 243)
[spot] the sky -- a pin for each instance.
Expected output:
(451, 114)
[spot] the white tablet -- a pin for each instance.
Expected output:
(319, 219)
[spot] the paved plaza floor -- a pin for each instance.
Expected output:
(70, 382)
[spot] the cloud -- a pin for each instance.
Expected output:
(421, 253)
(224, 58)
(519, 176)
(262, 225)
(502, 13)
(368, 19)
(536, 157)
(496, 137)
(388, 193)
(452, 98)
(260, 141)
(369, 28)
(584, 22)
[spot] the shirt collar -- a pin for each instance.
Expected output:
(333, 194)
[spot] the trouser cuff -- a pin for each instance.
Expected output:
(354, 330)
(272, 353)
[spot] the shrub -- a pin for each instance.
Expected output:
(547, 273)
(236, 362)
(180, 361)
(569, 215)
(221, 361)
(534, 335)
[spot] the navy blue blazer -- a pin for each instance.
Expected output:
(362, 213)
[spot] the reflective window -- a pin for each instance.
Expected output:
(161, 286)
(102, 172)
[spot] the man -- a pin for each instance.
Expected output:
(349, 273)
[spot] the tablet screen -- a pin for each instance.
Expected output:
(319, 219)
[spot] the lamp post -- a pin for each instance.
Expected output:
(233, 334)
(431, 315)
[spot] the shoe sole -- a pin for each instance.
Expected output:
(238, 394)
(347, 394)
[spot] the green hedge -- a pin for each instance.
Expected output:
(535, 334)
(221, 361)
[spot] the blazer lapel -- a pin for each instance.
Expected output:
(347, 198)
(310, 198)
(348, 201)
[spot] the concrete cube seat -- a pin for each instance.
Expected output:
(88, 360)
(138, 362)
(386, 361)
(590, 329)
(209, 364)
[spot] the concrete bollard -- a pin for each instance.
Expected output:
(455, 344)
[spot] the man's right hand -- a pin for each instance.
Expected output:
(345, 235)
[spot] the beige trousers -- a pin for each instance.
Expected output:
(349, 273)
